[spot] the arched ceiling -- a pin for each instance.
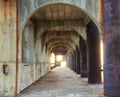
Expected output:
(48, 35)
(60, 50)
(59, 12)
(60, 28)
(54, 40)
(59, 42)
(59, 35)
(68, 47)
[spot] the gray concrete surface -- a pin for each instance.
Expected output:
(62, 82)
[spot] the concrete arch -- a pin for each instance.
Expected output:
(76, 26)
(46, 37)
(59, 42)
(54, 35)
(57, 47)
(33, 7)
(54, 48)
(64, 34)
(66, 45)
(53, 40)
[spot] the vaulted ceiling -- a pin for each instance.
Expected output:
(58, 38)
(59, 12)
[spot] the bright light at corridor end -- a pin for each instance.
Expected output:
(62, 60)
(59, 57)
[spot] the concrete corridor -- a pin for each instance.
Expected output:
(62, 82)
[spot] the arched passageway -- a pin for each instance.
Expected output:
(55, 26)
(25, 52)
(45, 27)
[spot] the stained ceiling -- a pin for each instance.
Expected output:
(59, 12)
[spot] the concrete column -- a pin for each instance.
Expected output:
(74, 63)
(68, 56)
(77, 54)
(94, 64)
(71, 61)
(83, 58)
(112, 48)
(68, 60)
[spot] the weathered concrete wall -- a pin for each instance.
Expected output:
(29, 73)
(26, 75)
(28, 43)
(35, 62)
(38, 71)
(8, 46)
(7, 82)
(38, 50)
(8, 31)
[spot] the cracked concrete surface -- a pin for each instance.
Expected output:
(62, 82)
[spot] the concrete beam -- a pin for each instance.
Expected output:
(57, 45)
(76, 26)
(59, 42)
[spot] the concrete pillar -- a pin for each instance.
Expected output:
(112, 48)
(68, 56)
(77, 54)
(68, 60)
(74, 65)
(94, 64)
(8, 48)
(83, 58)
(73, 62)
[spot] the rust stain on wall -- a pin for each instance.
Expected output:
(10, 8)
(5, 14)
(10, 12)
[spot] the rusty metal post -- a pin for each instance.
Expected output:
(112, 48)
(94, 62)
(77, 58)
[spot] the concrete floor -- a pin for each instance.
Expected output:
(62, 82)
